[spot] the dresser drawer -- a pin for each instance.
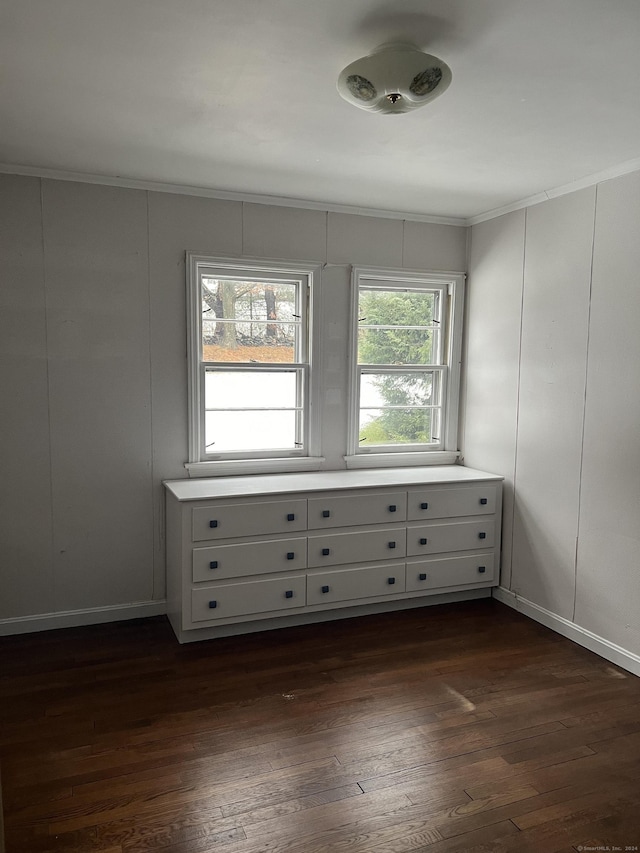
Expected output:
(249, 558)
(425, 503)
(226, 521)
(353, 509)
(450, 536)
(224, 601)
(350, 584)
(333, 549)
(451, 571)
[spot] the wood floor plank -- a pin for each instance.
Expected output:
(173, 824)
(481, 840)
(88, 809)
(455, 728)
(566, 808)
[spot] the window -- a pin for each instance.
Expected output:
(406, 347)
(250, 383)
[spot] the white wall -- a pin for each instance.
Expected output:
(608, 567)
(490, 358)
(93, 372)
(552, 402)
(93, 384)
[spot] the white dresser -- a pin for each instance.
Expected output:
(257, 552)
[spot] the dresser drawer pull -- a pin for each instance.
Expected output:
(290, 555)
(291, 516)
(213, 523)
(325, 588)
(392, 544)
(424, 505)
(213, 605)
(422, 576)
(423, 541)
(392, 508)
(483, 501)
(213, 564)
(325, 552)
(482, 535)
(288, 593)
(482, 569)
(326, 513)
(391, 581)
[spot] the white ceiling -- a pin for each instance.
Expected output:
(240, 96)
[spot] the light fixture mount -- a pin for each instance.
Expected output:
(395, 78)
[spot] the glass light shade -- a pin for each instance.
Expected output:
(395, 78)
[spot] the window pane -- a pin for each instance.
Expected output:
(396, 426)
(246, 411)
(399, 389)
(249, 431)
(397, 346)
(245, 321)
(238, 389)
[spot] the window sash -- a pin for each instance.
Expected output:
(301, 372)
(436, 327)
(301, 323)
(439, 371)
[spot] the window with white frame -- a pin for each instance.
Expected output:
(249, 359)
(406, 347)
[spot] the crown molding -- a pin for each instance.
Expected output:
(225, 195)
(621, 169)
(582, 183)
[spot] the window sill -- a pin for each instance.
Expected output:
(238, 467)
(401, 460)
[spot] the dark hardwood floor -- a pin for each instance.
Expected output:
(450, 728)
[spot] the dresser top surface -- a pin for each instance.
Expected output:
(273, 484)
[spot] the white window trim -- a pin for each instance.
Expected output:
(447, 453)
(237, 463)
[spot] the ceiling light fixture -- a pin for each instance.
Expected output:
(395, 78)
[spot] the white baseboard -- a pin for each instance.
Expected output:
(75, 618)
(610, 651)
